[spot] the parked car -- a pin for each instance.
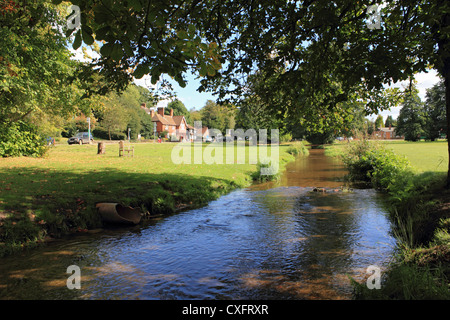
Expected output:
(80, 138)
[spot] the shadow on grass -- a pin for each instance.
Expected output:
(46, 202)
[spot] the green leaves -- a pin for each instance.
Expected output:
(87, 35)
(77, 40)
(135, 4)
(112, 50)
(83, 35)
(140, 71)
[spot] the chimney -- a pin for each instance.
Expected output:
(161, 111)
(152, 112)
(390, 126)
(171, 112)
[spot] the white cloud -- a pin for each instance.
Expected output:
(425, 80)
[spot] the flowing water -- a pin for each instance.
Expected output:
(271, 241)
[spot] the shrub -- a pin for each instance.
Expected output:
(104, 134)
(19, 230)
(20, 139)
(286, 137)
(298, 148)
(371, 162)
(319, 138)
(271, 174)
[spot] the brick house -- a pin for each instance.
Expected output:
(386, 134)
(176, 126)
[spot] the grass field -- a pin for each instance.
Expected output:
(423, 155)
(59, 191)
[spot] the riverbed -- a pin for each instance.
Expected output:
(279, 240)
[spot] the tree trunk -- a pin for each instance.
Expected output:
(444, 69)
(447, 107)
(101, 148)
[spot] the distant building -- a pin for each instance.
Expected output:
(175, 126)
(385, 134)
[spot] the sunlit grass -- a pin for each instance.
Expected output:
(423, 155)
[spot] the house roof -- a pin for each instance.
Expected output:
(391, 129)
(164, 120)
(178, 120)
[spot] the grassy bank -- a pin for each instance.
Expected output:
(56, 194)
(411, 175)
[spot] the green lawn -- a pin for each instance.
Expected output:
(60, 190)
(423, 155)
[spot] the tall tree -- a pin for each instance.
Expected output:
(390, 122)
(115, 117)
(411, 120)
(434, 111)
(195, 115)
(379, 122)
(38, 86)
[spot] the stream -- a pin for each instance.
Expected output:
(277, 240)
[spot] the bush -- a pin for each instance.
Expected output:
(286, 137)
(319, 138)
(104, 134)
(21, 139)
(298, 148)
(19, 230)
(371, 162)
(271, 174)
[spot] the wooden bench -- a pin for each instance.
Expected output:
(125, 149)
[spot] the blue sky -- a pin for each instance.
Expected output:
(189, 95)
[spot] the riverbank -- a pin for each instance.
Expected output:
(419, 210)
(42, 198)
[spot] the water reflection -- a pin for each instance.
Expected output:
(273, 241)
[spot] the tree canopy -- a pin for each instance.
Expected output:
(317, 41)
(35, 66)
